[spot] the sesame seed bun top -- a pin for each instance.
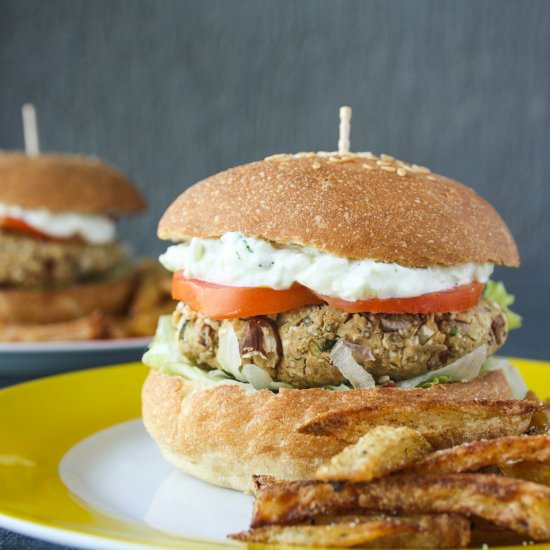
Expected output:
(66, 183)
(356, 206)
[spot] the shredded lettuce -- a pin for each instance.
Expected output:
(442, 379)
(496, 292)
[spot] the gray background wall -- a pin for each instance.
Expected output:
(172, 91)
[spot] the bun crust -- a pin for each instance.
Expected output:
(356, 206)
(224, 435)
(35, 306)
(66, 183)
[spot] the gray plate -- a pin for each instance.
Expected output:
(30, 360)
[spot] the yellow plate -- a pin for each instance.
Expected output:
(42, 420)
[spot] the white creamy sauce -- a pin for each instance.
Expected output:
(236, 260)
(92, 229)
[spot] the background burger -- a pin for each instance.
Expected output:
(313, 283)
(60, 261)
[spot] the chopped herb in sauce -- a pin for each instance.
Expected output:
(247, 246)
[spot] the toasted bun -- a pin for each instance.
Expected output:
(33, 306)
(66, 183)
(356, 206)
(224, 434)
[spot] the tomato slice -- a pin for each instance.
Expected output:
(23, 227)
(19, 225)
(455, 299)
(228, 302)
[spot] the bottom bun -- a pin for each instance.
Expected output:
(226, 434)
(35, 306)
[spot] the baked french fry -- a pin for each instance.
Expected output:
(538, 472)
(260, 482)
(382, 450)
(473, 456)
(520, 506)
(144, 323)
(540, 423)
(429, 530)
(91, 327)
(152, 289)
(337, 535)
(486, 533)
(150, 300)
(443, 423)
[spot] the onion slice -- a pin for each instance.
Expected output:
(228, 354)
(463, 369)
(342, 358)
(513, 376)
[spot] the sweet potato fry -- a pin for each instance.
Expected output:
(521, 506)
(473, 456)
(443, 423)
(382, 450)
(338, 535)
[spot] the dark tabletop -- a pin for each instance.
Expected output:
(9, 540)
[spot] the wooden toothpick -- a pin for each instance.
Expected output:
(30, 129)
(345, 124)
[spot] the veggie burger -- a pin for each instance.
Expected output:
(59, 258)
(307, 281)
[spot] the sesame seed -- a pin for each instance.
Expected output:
(387, 168)
(316, 165)
(279, 156)
(431, 178)
(383, 156)
(366, 155)
(401, 172)
(368, 166)
(420, 169)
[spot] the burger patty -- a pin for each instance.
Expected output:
(294, 347)
(30, 262)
